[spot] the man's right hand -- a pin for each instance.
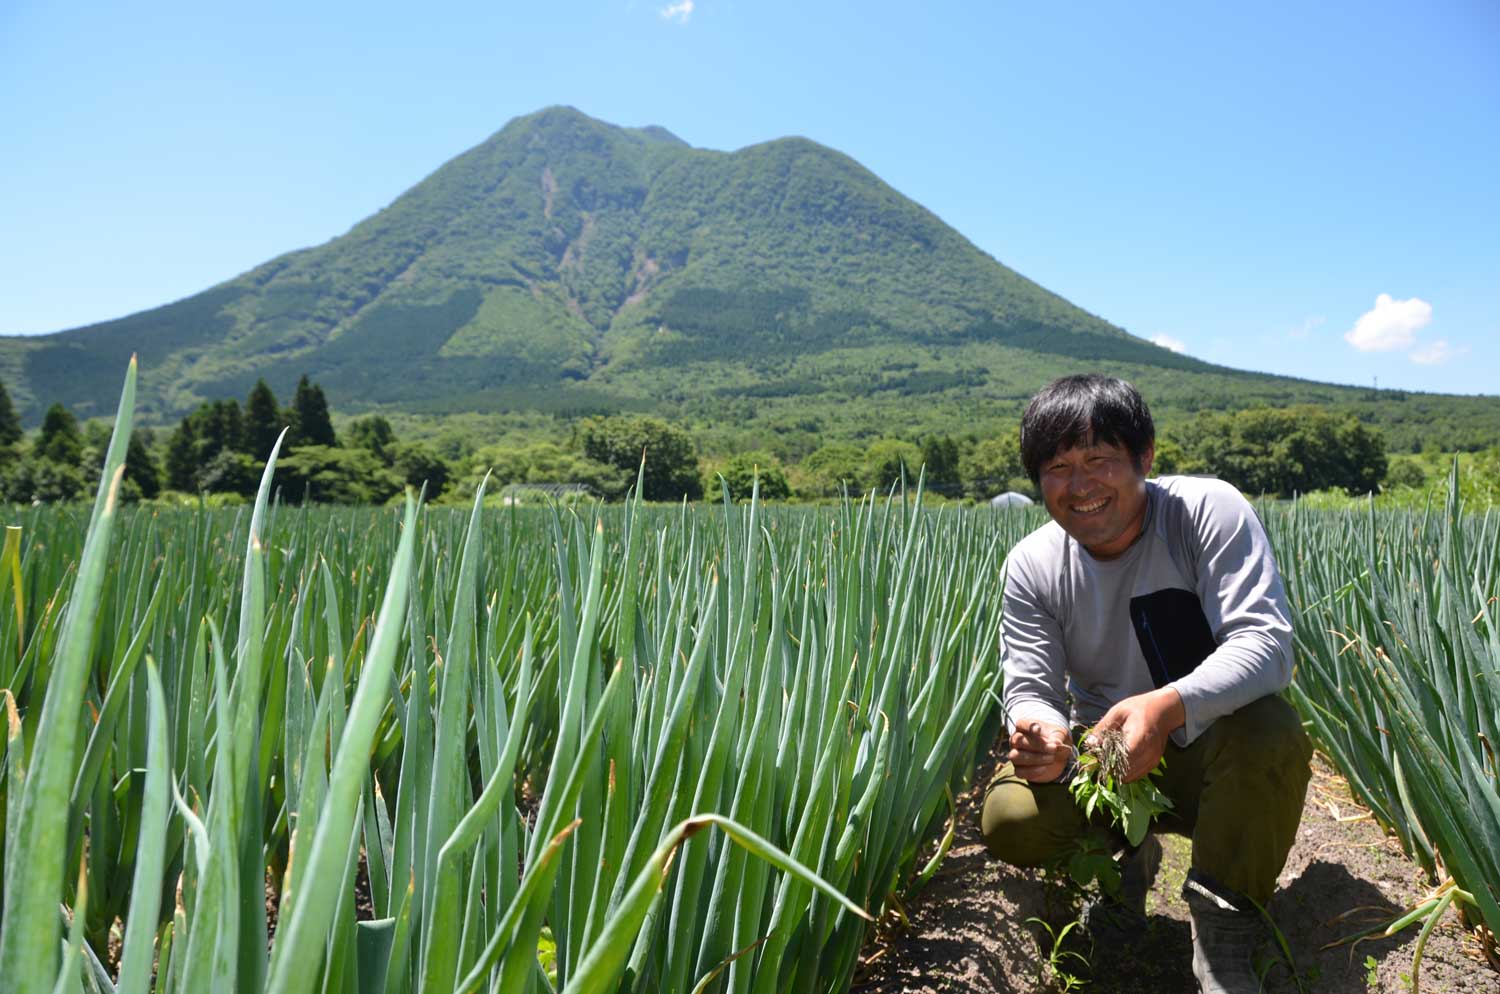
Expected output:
(1040, 751)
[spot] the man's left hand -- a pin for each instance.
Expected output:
(1146, 720)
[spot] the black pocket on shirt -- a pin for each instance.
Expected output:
(1173, 633)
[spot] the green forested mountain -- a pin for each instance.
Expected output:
(567, 265)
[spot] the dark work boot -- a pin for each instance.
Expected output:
(1227, 928)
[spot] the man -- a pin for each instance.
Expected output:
(1153, 607)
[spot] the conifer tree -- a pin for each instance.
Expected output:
(10, 423)
(140, 466)
(263, 420)
(60, 440)
(182, 458)
(219, 428)
(310, 422)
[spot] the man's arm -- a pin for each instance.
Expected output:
(1031, 652)
(1245, 604)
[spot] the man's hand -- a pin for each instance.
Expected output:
(1040, 751)
(1146, 720)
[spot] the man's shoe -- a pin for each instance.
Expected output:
(1227, 928)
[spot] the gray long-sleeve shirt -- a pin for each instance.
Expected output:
(1196, 603)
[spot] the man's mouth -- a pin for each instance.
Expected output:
(1091, 506)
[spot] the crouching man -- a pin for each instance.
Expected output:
(1153, 607)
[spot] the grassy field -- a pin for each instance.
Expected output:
(631, 748)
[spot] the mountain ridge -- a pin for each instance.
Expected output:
(566, 264)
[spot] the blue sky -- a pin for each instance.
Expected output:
(1311, 189)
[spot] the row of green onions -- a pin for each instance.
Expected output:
(1398, 677)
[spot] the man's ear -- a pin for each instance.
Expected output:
(1146, 459)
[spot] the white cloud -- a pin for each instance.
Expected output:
(1391, 324)
(1437, 353)
(1307, 327)
(1166, 341)
(679, 12)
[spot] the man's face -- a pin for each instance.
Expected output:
(1098, 495)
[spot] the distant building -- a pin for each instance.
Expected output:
(1010, 499)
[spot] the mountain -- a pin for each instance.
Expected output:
(569, 265)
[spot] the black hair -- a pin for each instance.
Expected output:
(1084, 409)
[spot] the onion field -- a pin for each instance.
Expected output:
(599, 749)
(642, 749)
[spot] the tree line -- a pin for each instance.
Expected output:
(1276, 452)
(1264, 451)
(219, 449)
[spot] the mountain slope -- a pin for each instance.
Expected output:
(567, 264)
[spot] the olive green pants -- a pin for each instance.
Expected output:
(1237, 792)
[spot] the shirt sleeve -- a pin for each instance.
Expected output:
(1245, 604)
(1031, 652)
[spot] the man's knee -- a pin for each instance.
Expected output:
(1254, 788)
(1267, 732)
(1261, 752)
(1028, 824)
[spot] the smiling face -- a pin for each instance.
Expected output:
(1097, 493)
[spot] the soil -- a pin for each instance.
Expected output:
(968, 930)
